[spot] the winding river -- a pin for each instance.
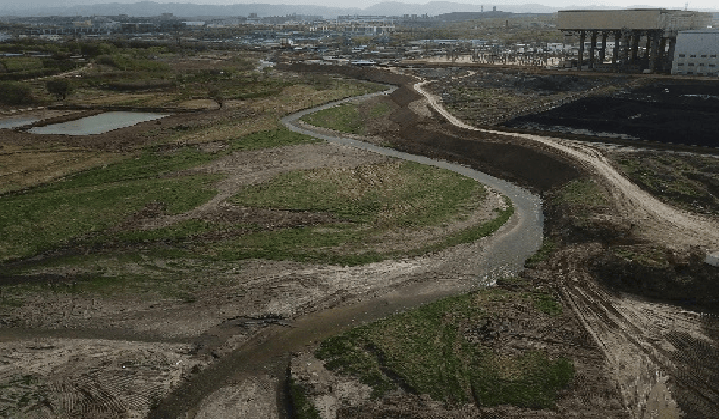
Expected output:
(470, 267)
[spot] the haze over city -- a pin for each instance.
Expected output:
(512, 6)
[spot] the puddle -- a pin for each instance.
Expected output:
(18, 122)
(98, 124)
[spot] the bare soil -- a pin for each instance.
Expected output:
(638, 353)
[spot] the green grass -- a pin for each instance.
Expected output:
(344, 118)
(43, 219)
(91, 201)
(370, 200)
(274, 138)
(645, 256)
(379, 109)
(149, 165)
(181, 231)
(547, 248)
(424, 352)
(547, 304)
(688, 183)
(410, 194)
(302, 407)
(582, 192)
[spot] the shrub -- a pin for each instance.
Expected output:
(61, 88)
(15, 93)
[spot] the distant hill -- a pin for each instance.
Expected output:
(151, 8)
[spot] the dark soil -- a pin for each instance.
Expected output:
(665, 111)
(682, 279)
(506, 157)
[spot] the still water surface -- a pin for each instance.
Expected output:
(18, 122)
(97, 124)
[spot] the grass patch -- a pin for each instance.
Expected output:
(344, 118)
(688, 183)
(405, 194)
(183, 230)
(479, 231)
(271, 138)
(547, 304)
(149, 165)
(379, 109)
(645, 256)
(582, 192)
(424, 352)
(547, 248)
(370, 200)
(302, 407)
(46, 217)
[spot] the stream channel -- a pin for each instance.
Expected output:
(268, 353)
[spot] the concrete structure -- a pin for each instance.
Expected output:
(696, 53)
(644, 38)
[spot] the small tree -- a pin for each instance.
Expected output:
(60, 87)
(217, 96)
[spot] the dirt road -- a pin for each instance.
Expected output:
(643, 341)
(657, 220)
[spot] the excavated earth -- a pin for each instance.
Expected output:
(666, 111)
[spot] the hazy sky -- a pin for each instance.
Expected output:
(670, 4)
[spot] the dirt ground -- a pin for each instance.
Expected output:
(70, 355)
(640, 344)
(85, 338)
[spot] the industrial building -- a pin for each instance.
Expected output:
(696, 53)
(655, 29)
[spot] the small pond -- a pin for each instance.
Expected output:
(18, 122)
(97, 124)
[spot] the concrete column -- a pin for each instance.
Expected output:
(603, 47)
(654, 46)
(625, 47)
(635, 42)
(671, 50)
(593, 42)
(581, 51)
(662, 57)
(616, 50)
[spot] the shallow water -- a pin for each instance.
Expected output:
(98, 124)
(18, 122)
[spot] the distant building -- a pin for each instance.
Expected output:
(696, 53)
(644, 38)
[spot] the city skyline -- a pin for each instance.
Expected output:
(505, 5)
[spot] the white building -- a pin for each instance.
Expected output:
(696, 53)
